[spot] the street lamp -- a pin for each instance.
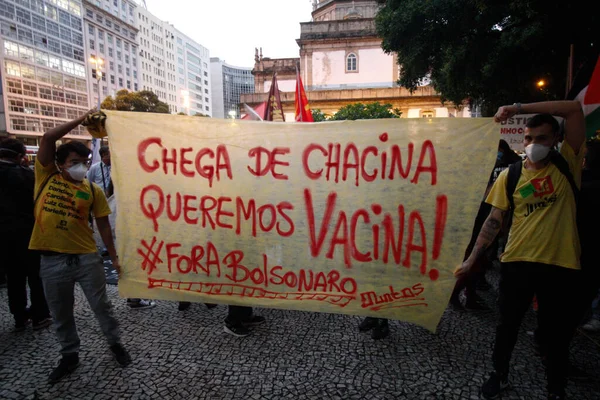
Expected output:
(541, 83)
(232, 114)
(98, 62)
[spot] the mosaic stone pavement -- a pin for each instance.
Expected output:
(296, 355)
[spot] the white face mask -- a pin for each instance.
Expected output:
(536, 152)
(78, 172)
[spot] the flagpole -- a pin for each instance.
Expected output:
(298, 92)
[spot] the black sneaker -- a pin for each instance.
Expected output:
(236, 329)
(254, 320)
(495, 385)
(367, 324)
(184, 305)
(121, 355)
(210, 305)
(21, 325)
(68, 363)
(381, 331)
(46, 322)
(142, 304)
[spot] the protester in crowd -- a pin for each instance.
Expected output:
(542, 254)
(16, 224)
(469, 282)
(64, 205)
(99, 173)
(379, 327)
(239, 319)
(589, 225)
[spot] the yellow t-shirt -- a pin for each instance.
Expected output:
(62, 213)
(544, 227)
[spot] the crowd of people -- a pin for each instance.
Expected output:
(535, 220)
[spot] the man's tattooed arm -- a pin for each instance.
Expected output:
(488, 232)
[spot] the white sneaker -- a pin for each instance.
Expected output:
(593, 325)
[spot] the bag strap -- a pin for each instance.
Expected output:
(43, 186)
(563, 166)
(514, 173)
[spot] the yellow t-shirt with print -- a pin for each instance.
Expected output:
(62, 213)
(544, 227)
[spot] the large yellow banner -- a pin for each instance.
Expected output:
(354, 217)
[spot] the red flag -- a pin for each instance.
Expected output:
(274, 111)
(303, 113)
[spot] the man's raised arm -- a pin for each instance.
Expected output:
(47, 148)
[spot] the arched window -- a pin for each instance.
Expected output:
(351, 63)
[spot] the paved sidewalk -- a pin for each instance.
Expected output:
(296, 355)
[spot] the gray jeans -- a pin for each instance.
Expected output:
(59, 274)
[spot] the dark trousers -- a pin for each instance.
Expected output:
(238, 314)
(22, 272)
(555, 288)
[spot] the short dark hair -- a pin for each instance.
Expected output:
(503, 145)
(103, 151)
(14, 147)
(540, 119)
(64, 150)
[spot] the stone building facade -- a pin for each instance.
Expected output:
(341, 62)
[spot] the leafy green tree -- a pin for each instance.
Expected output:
(365, 111)
(318, 115)
(488, 52)
(142, 101)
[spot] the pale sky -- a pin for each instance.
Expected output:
(231, 29)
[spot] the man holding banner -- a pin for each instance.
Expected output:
(542, 255)
(64, 204)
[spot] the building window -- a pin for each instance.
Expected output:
(92, 46)
(90, 29)
(121, 82)
(427, 114)
(112, 79)
(351, 63)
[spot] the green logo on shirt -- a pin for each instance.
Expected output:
(527, 191)
(82, 195)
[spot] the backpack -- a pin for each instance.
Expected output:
(514, 173)
(90, 218)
